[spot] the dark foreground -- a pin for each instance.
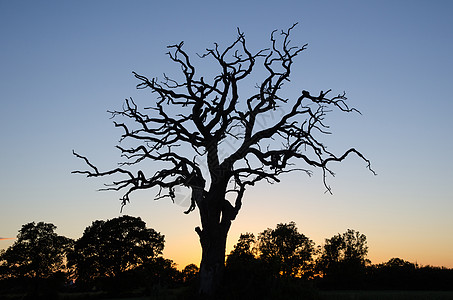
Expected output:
(385, 295)
(182, 293)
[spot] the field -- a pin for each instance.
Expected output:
(385, 295)
(321, 295)
(341, 295)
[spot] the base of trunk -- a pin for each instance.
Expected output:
(213, 244)
(211, 279)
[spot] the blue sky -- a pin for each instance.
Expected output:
(65, 63)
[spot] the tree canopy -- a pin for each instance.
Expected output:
(243, 250)
(38, 251)
(108, 248)
(344, 254)
(289, 251)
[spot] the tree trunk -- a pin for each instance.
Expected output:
(216, 215)
(213, 244)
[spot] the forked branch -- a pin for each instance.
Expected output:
(184, 128)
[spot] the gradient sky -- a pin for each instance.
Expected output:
(63, 64)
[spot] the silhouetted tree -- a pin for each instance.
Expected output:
(399, 263)
(243, 250)
(287, 251)
(216, 136)
(399, 274)
(274, 273)
(190, 272)
(355, 247)
(159, 272)
(245, 273)
(38, 252)
(343, 257)
(241, 263)
(3, 267)
(108, 248)
(394, 274)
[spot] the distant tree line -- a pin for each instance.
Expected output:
(280, 263)
(123, 255)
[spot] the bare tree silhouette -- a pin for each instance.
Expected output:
(203, 115)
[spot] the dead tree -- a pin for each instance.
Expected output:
(191, 118)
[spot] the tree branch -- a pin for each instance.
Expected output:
(196, 116)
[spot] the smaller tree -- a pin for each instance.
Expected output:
(398, 263)
(108, 248)
(287, 251)
(158, 272)
(397, 273)
(190, 273)
(241, 263)
(245, 273)
(344, 256)
(3, 267)
(38, 252)
(355, 247)
(243, 250)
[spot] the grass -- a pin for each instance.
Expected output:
(385, 295)
(171, 294)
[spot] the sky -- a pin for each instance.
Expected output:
(63, 64)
